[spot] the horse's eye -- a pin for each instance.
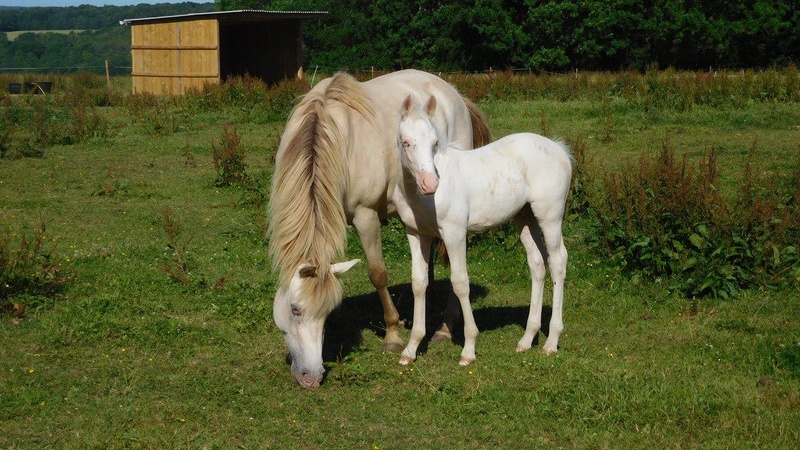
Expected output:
(296, 310)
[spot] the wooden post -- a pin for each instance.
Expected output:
(108, 77)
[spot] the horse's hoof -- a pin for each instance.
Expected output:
(522, 348)
(392, 347)
(405, 360)
(549, 351)
(464, 361)
(441, 337)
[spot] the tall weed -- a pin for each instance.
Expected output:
(666, 220)
(179, 266)
(29, 269)
(229, 159)
(653, 90)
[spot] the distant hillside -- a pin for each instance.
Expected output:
(104, 39)
(86, 17)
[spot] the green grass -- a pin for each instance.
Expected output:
(127, 358)
(15, 34)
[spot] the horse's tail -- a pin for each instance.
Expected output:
(481, 135)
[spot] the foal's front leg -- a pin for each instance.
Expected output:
(456, 243)
(420, 258)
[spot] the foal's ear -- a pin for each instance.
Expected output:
(430, 107)
(406, 106)
(343, 266)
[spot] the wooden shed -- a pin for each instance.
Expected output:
(172, 54)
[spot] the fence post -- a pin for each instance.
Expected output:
(108, 77)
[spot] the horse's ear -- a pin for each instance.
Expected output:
(430, 107)
(406, 105)
(343, 266)
(308, 271)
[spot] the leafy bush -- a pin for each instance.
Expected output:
(665, 220)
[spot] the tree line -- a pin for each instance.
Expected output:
(542, 35)
(457, 35)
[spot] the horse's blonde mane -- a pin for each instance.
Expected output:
(307, 219)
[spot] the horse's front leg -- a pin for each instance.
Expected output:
(456, 243)
(420, 259)
(368, 226)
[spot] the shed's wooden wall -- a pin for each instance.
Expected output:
(171, 58)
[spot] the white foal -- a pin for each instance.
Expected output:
(446, 192)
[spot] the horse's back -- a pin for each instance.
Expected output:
(452, 117)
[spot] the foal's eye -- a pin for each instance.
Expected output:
(406, 144)
(296, 310)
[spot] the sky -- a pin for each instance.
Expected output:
(89, 2)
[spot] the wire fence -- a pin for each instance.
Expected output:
(126, 70)
(113, 70)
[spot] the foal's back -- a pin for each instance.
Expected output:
(496, 181)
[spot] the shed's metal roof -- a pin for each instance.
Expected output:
(242, 15)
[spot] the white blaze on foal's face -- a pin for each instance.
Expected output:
(418, 141)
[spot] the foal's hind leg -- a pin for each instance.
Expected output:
(530, 236)
(557, 260)
(369, 231)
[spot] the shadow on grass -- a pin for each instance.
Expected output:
(345, 325)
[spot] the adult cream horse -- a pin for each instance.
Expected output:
(337, 164)
(446, 193)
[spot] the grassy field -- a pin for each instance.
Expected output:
(15, 34)
(126, 357)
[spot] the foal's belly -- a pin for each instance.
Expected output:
(489, 214)
(495, 201)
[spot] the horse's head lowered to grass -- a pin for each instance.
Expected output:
(302, 320)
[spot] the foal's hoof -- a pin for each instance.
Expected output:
(405, 360)
(464, 361)
(392, 347)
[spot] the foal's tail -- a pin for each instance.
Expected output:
(481, 135)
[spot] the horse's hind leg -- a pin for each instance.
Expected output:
(369, 231)
(531, 238)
